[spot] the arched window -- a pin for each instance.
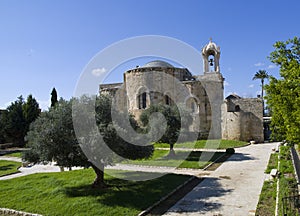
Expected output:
(192, 105)
(168, 100)
(237, 108)
(142, 101)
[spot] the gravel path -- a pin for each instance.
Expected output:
(233, 189)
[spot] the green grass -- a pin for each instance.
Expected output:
(183, 159)
(273, 163)
(15, 154)
(8, 167)
(70, 193)
(287, 181)
(267, 199)
(210, 144)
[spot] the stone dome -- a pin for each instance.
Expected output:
(158, 63)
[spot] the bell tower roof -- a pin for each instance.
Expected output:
(211, 57)
(210, 48)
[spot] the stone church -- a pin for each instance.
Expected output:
(232, 118)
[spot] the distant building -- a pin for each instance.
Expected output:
(234, 118)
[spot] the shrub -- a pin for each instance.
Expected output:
(230, 151)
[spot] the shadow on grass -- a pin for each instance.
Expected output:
(191, 156)
(138, 195)
(7, 167)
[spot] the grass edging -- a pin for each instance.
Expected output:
(209, 165)
(148, 210)
(6, 211)
(11, 173)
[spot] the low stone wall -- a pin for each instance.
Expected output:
(296, 163)
(6, 212)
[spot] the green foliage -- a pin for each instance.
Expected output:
(31, 111)
(2, 125)
(175, 123)
(53, 97)
(52, 136)
(230, 151)
(16, 120)
(261, 75)
(69, 193)
(283, 95)
(8, 167)
(172, 116)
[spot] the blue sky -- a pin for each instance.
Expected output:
(46, 44)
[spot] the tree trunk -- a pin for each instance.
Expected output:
(262, 96)
(99, 180)
(171, 152)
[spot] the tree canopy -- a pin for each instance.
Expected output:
(173, 123)
(52, 138)
(17, 117)
(262, 75)
(53, 97)
(283, 95)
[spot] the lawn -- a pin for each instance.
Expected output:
(273, 163)
(209, 144)
(267, 199)
(14, 154)
(8, 167)
(183, 159)
(70, 193)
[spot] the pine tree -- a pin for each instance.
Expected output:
(53, 97)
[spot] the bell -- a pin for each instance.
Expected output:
(211, 62)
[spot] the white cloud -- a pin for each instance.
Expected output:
(98, 71)
(226, 83)
(251, 86)
(271, 66)
(259, 64)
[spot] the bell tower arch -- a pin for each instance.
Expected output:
(211, 57)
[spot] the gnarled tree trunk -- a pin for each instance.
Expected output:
(99, 180)
(171, 152)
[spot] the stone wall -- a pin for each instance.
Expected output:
(213, 85)
(242, 119)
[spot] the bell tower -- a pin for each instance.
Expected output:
(213, 81)
(211, 57)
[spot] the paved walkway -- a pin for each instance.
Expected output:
(233, 189)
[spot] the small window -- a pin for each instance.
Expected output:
(167, 100)
(237, 108)
(142, 100)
